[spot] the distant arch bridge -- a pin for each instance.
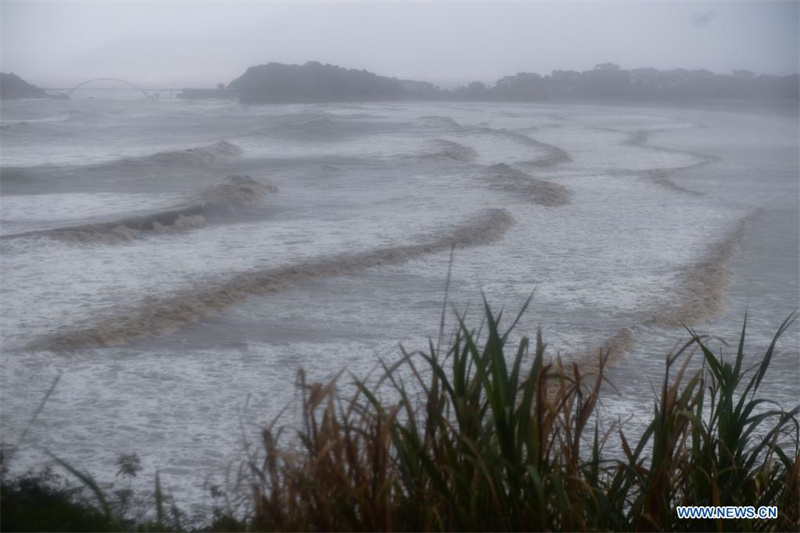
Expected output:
(153, 93)
(87, 82)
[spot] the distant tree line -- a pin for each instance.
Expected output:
(315, 82)
(609, 82)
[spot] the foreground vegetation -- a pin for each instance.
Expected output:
(477, 437)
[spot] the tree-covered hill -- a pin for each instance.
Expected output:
(315, 82)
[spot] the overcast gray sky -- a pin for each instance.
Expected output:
(190, 42)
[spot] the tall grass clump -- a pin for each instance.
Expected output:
(481, 436)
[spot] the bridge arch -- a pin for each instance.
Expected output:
(87, 82)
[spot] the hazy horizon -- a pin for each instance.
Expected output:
(204, 43)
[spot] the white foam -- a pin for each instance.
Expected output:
(594, 265)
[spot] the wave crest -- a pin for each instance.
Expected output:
(204, 155)
(541, 192)
(438, 121)
(553, 154)
(614, 350)
(159, 315)
(234, 191)
(700, 294)
(443, 149)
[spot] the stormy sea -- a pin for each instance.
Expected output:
(176, 262)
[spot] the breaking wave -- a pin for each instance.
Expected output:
(434, 120)
(312, 122)
(234, 191)
(159, 315)
(204, 155)
(443, 149)
(450, 149)
(614, 350)
(541, 192)
(700, 294)
(553, 154)
(640, 138)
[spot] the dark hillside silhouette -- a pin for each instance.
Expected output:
(609, 82)
(315, 82)
(12, 86)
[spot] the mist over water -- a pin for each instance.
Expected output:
(178, 261)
